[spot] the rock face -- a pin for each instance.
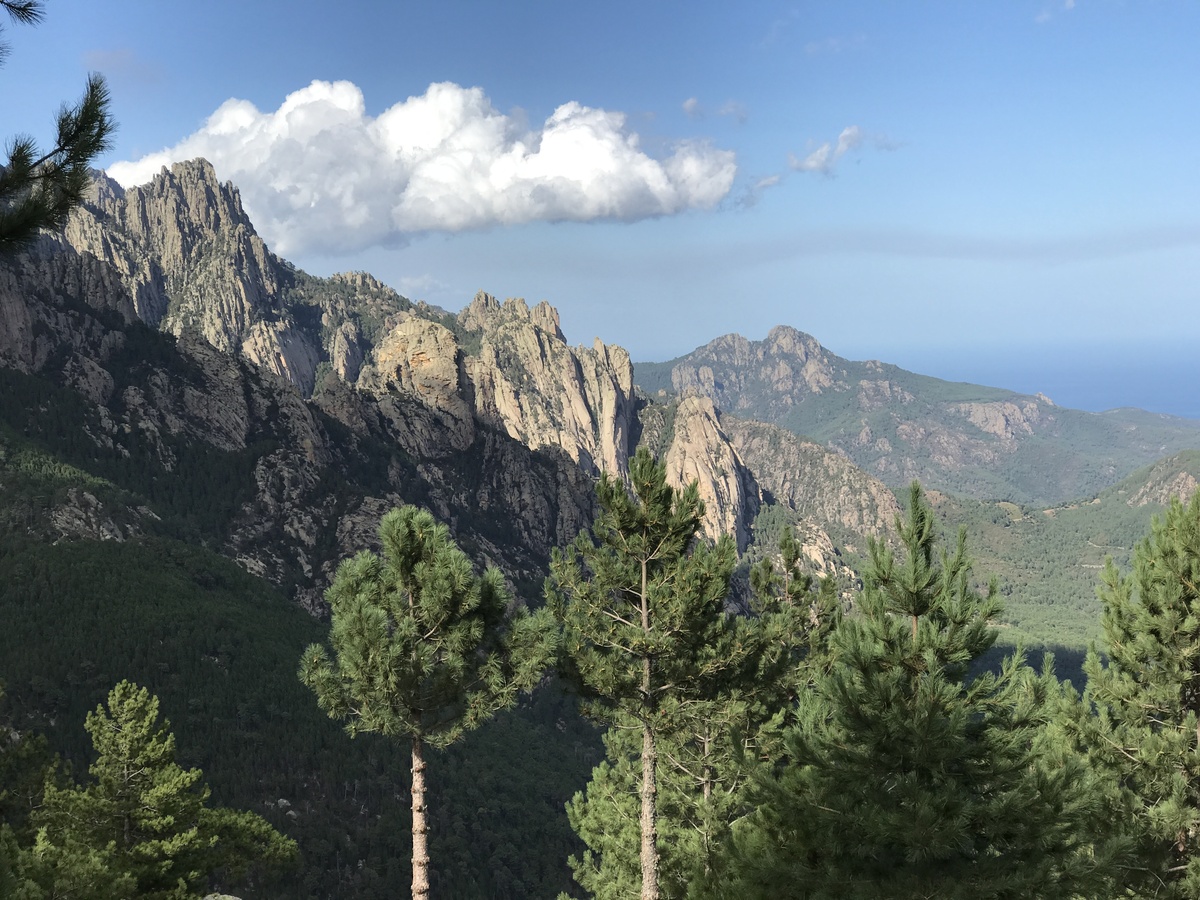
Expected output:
(303, 478)
(528, 381)
(190, 260)
(1004, 419)
(419, 359)
(818, 484)
(1175, 476)
(700, 451)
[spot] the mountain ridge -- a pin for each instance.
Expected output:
(336, 398)
(984, 442)
(487, 416)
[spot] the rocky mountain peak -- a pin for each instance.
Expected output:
(783, 339)
(485, 313)
(543, 392)
(788, 365)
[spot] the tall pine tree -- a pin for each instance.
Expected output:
(708, 755)
(907, 776)
(422, 648)
(645, 634)
(1144, 735)
(142, 827)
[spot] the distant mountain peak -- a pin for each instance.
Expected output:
(980, 441)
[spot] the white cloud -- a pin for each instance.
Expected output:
(692, 107)
(319, 174)
(825, 158)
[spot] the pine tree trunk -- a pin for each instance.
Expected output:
(649, 814)
(649, 821)
(420, 846)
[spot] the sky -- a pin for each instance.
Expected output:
(1004, 193)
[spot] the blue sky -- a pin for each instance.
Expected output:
(971, 190)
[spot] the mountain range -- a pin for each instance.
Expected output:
(204, 431)
(488, 416)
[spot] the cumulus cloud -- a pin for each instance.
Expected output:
(319, 174)
(691, 106)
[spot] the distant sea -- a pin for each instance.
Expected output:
(1156, 377)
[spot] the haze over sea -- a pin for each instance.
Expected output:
(1159, 377)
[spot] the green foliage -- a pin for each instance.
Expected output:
(708, 754)
(423, 649)
(1047, 559)
(641, 602)
(219, 647)
(39, 189)
(908, 777)
(1145, 734)
(645, 636)
(143, 821)
(69, 868)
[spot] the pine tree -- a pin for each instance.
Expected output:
(1145, 733)
(422, 648)
(709, 754)
(645, 635)
(906, 776)
(143, 821)
(813, 605)
(39, 189)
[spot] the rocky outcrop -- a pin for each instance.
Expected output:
(192, 260)
(700, 451)
(188, 260)
(816, 483)
(1006, 420)
(528, 381)
(82, 515)
(1174, 477)
(419, 359)
(881, 392)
